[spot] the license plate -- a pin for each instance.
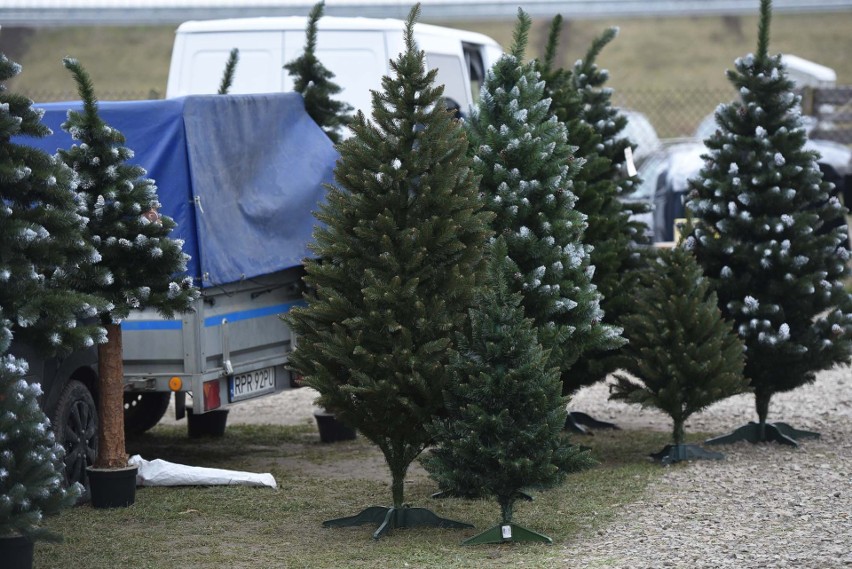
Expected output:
(251, 384)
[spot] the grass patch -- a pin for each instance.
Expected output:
(239, 527)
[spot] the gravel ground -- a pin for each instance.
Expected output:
(765, 506)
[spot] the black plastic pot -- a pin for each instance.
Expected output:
(210, 424)
(331, 429)
(16, 552)
(112, 487)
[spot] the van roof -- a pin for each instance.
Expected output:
(325, 23)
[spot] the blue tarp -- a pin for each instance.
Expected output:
(240, 174)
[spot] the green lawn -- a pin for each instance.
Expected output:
(259, 527)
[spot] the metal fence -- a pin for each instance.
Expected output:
(673, 113)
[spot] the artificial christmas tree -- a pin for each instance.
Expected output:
(527, 179)
(682, 351)
(31, 466)
(503, 430)
(398, 256)
(228, 73)
(133, 242)
(769, 234)
(41, 244)
(602, 188)
(314, 82)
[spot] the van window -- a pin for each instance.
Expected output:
(451, 75)
(475, 68)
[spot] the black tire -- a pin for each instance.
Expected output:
(75, 425)
(142, 411)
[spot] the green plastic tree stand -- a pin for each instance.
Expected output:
(505, 533)
(391, 518)
(773, 432)
(678, 453)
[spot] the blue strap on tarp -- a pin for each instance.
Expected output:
(240, 174)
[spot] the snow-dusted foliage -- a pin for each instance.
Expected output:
(602, 186)
(770, 232)
(527, 171)
(31, 476)
(41, 245)
(131, 238)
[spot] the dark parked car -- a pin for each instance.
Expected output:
(665, 174)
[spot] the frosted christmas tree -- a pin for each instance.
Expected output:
(528, 173)
(594, 128)
(31, 466)
(132, 240)
(768, 232)
(41, 243)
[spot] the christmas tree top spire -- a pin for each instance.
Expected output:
(763, 29)
(520, 36)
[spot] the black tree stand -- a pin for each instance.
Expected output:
(392, 518)
(582, 423)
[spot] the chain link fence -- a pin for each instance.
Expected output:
(673, 113)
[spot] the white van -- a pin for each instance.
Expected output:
(356, 50)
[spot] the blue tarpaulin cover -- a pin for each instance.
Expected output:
(240, 174)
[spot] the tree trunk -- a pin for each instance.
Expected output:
(677, 433)
(111, 451)
(506, 504)
(761, 402)
(397, 481)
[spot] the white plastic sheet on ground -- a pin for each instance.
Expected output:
(163, 473)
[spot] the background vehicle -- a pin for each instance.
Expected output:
(356, 50)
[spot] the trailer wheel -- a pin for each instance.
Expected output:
(142, 411)
(75, 426)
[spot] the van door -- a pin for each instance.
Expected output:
(358, 60)
(201, 59)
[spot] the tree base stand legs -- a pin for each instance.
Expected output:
(505, 533)
(678, 453)
(581, 423)
(773, 433)
(391, 518)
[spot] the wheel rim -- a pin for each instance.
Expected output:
(81, 442)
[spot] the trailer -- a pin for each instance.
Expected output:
(241, 175)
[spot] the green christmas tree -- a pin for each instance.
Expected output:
(399, 254)
(503, 431)
(41, 244)
(314, 82)
(581, 101)
(528, 173)
(133, 242)
(682, 350)
(228, 74)
(31, 475)
(769, 235)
